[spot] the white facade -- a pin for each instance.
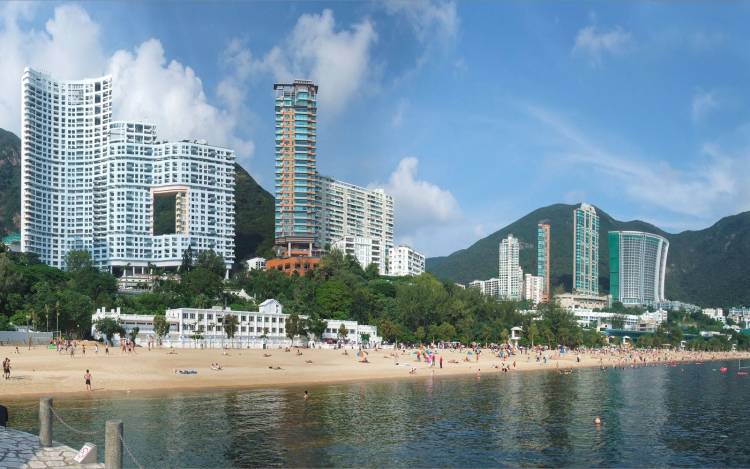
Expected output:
(489, 287)
(510, 273)
(404, 261)
(366, 250)
(716, 314)
(349, 210)
(579, 300)
(256, 263)
(255, 328)
(91, 184)
(354, 332)
(647, 322)
(533, 288)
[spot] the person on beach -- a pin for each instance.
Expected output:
(87, 377)
(441, 362)
(106, 349)
(6, 368)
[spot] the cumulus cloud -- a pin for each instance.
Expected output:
(147, 86)
(702, 104)
(419, 204)
(711, 187)
(594, 43)
(429, 19)
(339, 60)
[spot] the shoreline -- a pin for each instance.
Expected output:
(150, 372)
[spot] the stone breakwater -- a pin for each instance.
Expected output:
(19, 450)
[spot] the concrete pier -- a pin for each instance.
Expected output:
(19, 450)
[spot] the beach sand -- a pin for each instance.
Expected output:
(44, 372)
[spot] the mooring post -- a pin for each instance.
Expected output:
(113, 445)
(45, 422)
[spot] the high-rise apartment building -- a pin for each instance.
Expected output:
(510, 273)
(352, 211)
(533, 288)
(637, 267)
(489, 287)
(543, 258)
(110, 188)
(586, 250)
(366, 250)
(403, 261)
(296, 184)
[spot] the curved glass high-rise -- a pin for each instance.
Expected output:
(637, 267)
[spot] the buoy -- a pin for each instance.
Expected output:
(723, 369)
(597, 420)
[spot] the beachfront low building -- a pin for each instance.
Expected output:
(646, 322)
(354, 332)
(204, 327)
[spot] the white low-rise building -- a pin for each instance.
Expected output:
(716, 314)
(533, 288)
(574, 301)
(365, 249)
(404, 261)
(256, 263)
(201, 327)
(354, 331)
(647, 322)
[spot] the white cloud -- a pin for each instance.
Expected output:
(429, 19)
(338, 60)
(418, 204)
(711, 187)
(147, 86)
(401, 108)
(703, 103)
(593, 43)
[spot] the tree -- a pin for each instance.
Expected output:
(504, 336)
(78, 260)
(211, 261)
(187, 260)
(291, 326)
(109, 327)
(161, 326)
(532, 331)
(230, 325)
(317, 327)
(134, 333)
(364, 338)
(343, 332)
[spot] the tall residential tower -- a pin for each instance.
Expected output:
(510, 274)
(543, 258)
(586, 250)
(297, 205)
(637, 267)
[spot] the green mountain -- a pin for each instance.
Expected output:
(707, 267)
(10, 182)
(253, 210)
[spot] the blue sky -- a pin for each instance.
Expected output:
(471, 114)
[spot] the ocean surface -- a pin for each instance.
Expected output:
(687, 416)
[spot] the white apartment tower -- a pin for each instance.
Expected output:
(348, 210)
(93, 184)
(510, 273)
(404, 261)
(533, 288)
(366, 250)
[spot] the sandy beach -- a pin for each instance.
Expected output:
(41, 371)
